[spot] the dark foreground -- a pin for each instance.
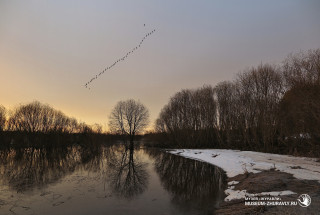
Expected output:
(268, 181)
(109, 180)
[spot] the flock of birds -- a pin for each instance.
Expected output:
(119, 60)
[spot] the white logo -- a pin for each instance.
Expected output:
(304, 200)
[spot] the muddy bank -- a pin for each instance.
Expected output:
(268, 181)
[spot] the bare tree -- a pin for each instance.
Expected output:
(129, 118)
(190, 117)
(302, 68)
(38, 117)
(300, 119)
(97, 128)
(260, 91)
(299, 109)
(227, 112)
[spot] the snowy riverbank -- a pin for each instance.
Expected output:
(236, 162)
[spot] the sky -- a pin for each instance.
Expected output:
(50, 49)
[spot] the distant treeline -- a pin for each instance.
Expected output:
(270, 108)
(37, 124)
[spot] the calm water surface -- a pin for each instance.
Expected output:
(108, 180)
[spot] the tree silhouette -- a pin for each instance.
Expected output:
(128, 175)
(262, 109)
(129, 118)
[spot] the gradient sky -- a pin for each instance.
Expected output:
(50, 49)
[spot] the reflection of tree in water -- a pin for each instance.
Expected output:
(28, 168)
(128, 176)
(192, 184)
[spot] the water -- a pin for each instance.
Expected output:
(108, 180)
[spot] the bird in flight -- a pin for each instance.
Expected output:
(118, 60)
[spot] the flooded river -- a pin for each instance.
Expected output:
(108, 180)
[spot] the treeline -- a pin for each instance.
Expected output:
(36, 124)
(38, 117)
(270, 108)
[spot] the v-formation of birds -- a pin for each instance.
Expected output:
(120, 59)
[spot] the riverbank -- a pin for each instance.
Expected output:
(257, 181)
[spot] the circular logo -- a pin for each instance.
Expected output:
(304, 200)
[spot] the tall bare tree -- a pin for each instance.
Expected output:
(227, 112)
(299, 109)
(260, 91)
(190, 117)
(302, 68)
(129, 118)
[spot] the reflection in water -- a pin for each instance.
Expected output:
(193, 184)
(104, 179)
(26, 169)
(127, 174)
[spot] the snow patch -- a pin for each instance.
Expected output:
(236, 162)
(233, 182)
(241, 194)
